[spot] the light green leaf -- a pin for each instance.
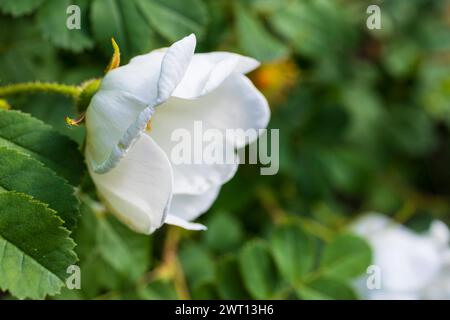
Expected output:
(346, 257)
(254, 39)
(17, 8)
(19, 172)
(326, 289)
(293, 251)
(258, 270)
(52, 18)
(23, 133)
(175, 19)
(35, 250)
(126, 251)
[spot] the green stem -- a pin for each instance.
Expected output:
(36, 87)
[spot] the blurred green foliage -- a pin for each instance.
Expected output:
(364, 127)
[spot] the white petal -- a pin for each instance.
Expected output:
(138, 190)
(207, 71)
(125, 102)
(370, 224)
(236, 104)
(107, 118)
(440, 234)
(189, 207)
(174, 220)
(138, 78)
(190, 177)
(174, 66)
(408, 261)
(439, 289)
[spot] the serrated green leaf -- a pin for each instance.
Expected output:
(18, 8)
(346, 257)
(123, 21)
(25, 134)
(175, 19)
(254, 39)
(19, 172)
(258, 270)
(326, 289)
(52, 18)
(293, 251)
(35, 250)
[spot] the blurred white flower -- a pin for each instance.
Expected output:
(128, 156)
(412, 265)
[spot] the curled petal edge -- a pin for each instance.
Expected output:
(185, 50)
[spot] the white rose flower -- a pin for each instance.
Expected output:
(172, 87)
(412, 265)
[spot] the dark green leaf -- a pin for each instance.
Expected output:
(21, 173)
(18, 8)
(23, 133)
(123, 21)
(229, 281)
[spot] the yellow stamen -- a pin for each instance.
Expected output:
(75, 122)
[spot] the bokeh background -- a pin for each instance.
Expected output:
(364, 118)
